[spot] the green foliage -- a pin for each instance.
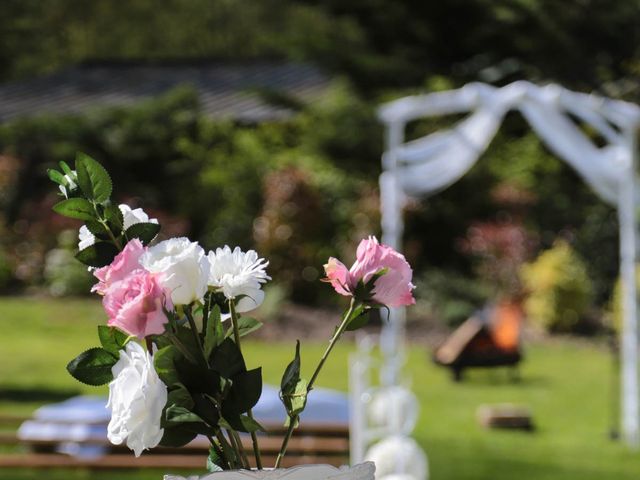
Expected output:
(145, 232)
(559, 289)
(214, 332)
(63, 275)
(103, 219)
(246, 325)
(293, 388)
(344, 129)
(78, 208)
(97, 255)
(449, 296)
(6, 271)
(614, 310)
(112, 339)
(93, 179)
(93, 366)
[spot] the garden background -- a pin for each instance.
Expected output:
(522, 224)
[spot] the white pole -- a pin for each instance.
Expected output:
(392, 198)
(357, 420)
(630, 421)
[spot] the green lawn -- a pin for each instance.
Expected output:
(566, 383)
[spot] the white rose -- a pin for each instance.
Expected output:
(129, 216)
(184, 266)
(237, 273)
(137, 397)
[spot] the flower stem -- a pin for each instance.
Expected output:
(332, 342)
(226, 448)
(293, 421)
(194, 331)
(205, 312)
(218, 450)
(104, 223)
(235, 438)
(236, 336)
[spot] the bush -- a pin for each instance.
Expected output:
(614, 310)
(449, 296)
(559, 289)
(64, 275)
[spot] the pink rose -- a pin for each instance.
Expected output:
(393, 288)
(135, 304)
(122, 265)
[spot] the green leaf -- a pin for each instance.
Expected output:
(177, 435)
(227, 359)
(213, 461)
(145, 232)
(177, 414)
(97, 229)
(180, 396)
(75, 208)
(98, 255)
(292, 373)
(206, 409)
(93, 366)
(215, 332)
(197, 377)
(163, 361)
(246, 325)
(298, 399)
(112, 339)
(244, 392)
(113, 215)
(358, 318)
(293, 389)
(242, 423)
(66, 168)
(93, 179)
(56, 176)
(287, 421)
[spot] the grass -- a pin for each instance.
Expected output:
(566, 384)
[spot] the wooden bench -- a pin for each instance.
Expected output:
(311, 443)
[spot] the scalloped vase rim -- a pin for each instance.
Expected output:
(362, 471)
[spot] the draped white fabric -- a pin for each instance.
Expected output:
(432, 163)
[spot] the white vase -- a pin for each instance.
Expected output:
(363, 471)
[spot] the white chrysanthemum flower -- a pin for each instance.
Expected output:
(238, 274)
(129, 216)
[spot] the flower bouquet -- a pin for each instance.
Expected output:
(171, 349)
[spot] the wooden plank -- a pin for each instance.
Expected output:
(8, 438)
(268, 445)
(128, 461)
(7, 419)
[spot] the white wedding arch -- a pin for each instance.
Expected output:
(429, 164)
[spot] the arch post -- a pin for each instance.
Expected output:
(392, 200)
(630, 419)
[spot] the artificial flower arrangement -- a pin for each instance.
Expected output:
(171, 350)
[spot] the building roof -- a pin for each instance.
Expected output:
(226, 90)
